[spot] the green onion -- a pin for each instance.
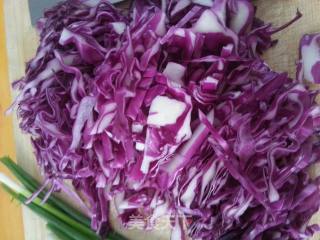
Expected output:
(64, 221)
(67, 229)
(33, 185)
(29, 182)
(56, 231)
(62, 216)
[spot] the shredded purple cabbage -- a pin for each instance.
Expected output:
(309, 64)
(168, 109)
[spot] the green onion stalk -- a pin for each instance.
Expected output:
(63, 221)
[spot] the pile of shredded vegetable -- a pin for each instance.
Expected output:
(168, 109)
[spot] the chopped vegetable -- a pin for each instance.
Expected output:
(309, 64)
(168, 109)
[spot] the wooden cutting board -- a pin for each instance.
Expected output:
(22, 42)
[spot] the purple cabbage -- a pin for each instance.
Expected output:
(168, 109)
(309, 64)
